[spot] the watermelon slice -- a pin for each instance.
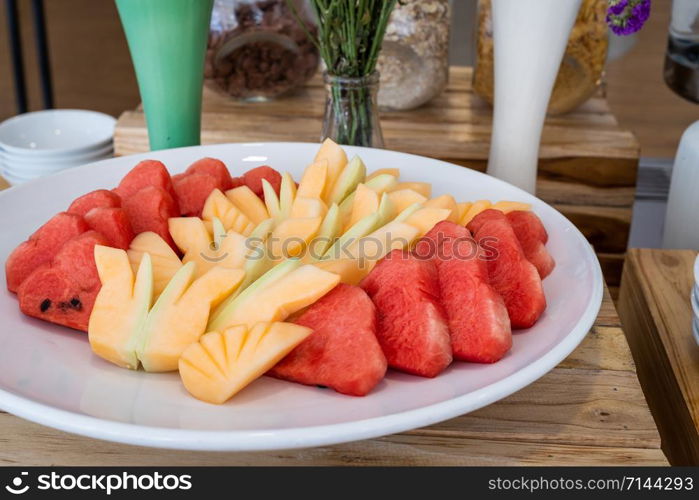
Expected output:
(342, 352)
(64, 290)
(477, 316)
(146, 173)
(533, 237)
(511, 274)
(192, 191)
(94, 199)
(41, 247)
(215, 168)
(412, 327)
(149, 210)
(253, 179)
(113, 224)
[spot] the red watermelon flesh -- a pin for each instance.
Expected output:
(533, 237)
(477, 316)
(253, 179)
(113, 224)
(41, 247)
(237, 182)
(149, 210)
(94, 199)
(511, 274)
(215, 168)
(342, 352)
(192, 191)
(64, 291)
(412, 328)
(146, 173)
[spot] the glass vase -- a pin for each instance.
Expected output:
(351, 111)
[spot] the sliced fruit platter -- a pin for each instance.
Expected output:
(339, 278)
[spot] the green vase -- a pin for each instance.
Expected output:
(167, 40)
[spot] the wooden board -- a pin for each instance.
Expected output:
(589, 410)
(587, 169)
(654, 305)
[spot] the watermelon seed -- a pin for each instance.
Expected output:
(76, 304)
(45, 304)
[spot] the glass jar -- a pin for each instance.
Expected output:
(257, 50)
(682, 58)
(351, 111)
(414, 59)
(581, 70)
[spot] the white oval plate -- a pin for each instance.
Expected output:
(48, 374)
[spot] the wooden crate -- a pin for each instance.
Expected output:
(587, 169)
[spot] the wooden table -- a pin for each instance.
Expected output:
(589, 410)
(654, 305)
(587, 167)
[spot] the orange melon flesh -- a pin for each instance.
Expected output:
(445, 201)
(249, 203)
(217, 205)
(403, 198)
(350, 271)
(461, 209)
(308, 207)
(287, 194)
(314, 179)
(476, 208)
(511, 206)
(180, 315)
(424, 219)
(271, 200)
(395, 172)
(366, 202)
(337, 160)
(222, 363)
(291, 236)
(278, 299)
(328, 231)
(164, 260)
(378, 244)
(424, 188)
(121, 306)
(223, 249)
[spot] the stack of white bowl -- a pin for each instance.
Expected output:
(44, 142)
(695, 301)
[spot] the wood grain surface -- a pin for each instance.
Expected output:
(655, 308)
(589, 410)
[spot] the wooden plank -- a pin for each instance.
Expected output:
(656, 312)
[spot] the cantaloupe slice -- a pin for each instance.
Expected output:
(248, 203)
(387, 210)
(121, 306)
(424, 188)
(224, 249)
(314, 179)
(394, 172)
(445, 201)
(403, 198)
(165, 261)
(259, 257)
(287, 194)
(277, 300)
(350, 271)
(424, 219)
(366, 201)
(476, 208)
(408, 211)
(221, 364)
(336, 158)
(180, 315)
(511, 206)
(271, 200)
(461, 209)
(308, 207)
(217, 205)
(379, 184)
(347, 182)
(328, 232)
(357, 231)
(291, 236)
(377, 245)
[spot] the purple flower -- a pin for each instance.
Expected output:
(625, 17)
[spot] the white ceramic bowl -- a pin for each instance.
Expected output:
(46, 166)
(56, 131)
(61, 158)
(18, 175)
(49, 375)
